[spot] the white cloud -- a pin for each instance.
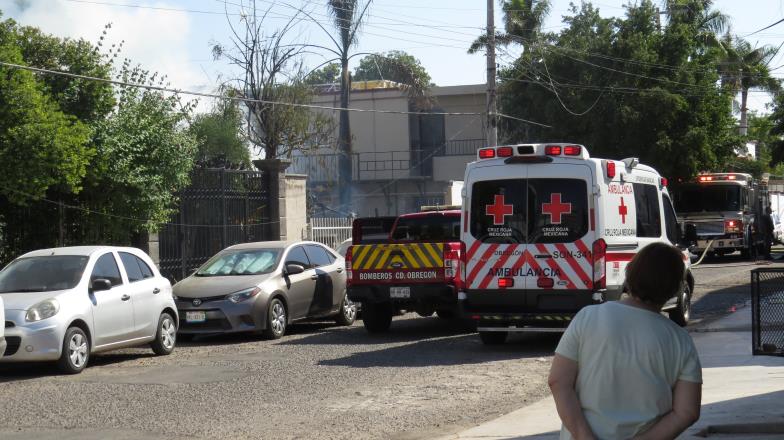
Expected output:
(157, 40)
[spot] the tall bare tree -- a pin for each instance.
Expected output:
(271, 72)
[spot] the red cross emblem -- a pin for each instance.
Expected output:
(499, 210)
(555, 209)
(623, 211)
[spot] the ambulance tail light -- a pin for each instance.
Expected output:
(505, 151)
(599, 264)
(609, 167)
(552, 150)
(572, 150)
(348, 260)
(733, 226)
(486, 153)
(453, 262)
(545, 283)
(664, 181)
(505, 283)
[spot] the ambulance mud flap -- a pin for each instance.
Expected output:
(523, 329)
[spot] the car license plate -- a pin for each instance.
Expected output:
(195, 316)
(400, 292)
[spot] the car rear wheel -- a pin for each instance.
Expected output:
(493, 338)
(76, 351)
(377, 318)
(166, 336)
(276, 320)
(680, 315)
(348, 312)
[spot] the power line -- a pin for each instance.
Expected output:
(765, 28)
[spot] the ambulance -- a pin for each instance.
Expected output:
(548, 230)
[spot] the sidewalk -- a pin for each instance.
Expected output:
(743, 395)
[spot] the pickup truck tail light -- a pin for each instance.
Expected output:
(453, 262)
(599, 264)
(348, 259)
(733, 226)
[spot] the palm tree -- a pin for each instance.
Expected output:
(523, 20)
(745, 68)
(707, 23)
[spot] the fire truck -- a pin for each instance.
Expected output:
(724, 208)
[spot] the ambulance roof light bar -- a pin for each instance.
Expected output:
(533, 150)
(722, 176)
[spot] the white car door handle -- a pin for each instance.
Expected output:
(156, 290)
(125, 297)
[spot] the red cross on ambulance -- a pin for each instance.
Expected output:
(556, 209)
(498, 210)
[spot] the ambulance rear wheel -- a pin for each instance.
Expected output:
(377, 317)
(493, 338)
(680, 315)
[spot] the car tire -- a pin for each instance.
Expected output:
(680, 314)
(348, 312)
(185, 337)
(445, 313)
(166, 336)
(276, 320)
(377, 318)
(493, 338)
(75, 351)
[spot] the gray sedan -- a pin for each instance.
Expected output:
(263, 287)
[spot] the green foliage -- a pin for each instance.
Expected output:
(627, 86)
(395, 66)
(40, 146)
(144, 153)
(329, 74)
(220, 137)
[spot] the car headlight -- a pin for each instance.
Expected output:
(43, 310)
(243, 295)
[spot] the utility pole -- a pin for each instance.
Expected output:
(492, 120)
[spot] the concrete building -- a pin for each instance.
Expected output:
(400, 161)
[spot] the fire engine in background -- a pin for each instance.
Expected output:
(415, 268)
(725, 208)
(548, 230)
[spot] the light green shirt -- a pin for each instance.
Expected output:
(628, 362)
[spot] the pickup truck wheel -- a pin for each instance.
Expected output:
(377, 317)
(493, 338)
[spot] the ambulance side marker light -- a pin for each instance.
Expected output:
(609, 168)
(552, 150)
(664, 181)
(572, 150)
(486, 153)
(505, 151)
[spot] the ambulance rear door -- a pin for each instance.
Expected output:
(561, 232)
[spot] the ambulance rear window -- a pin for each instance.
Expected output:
(529, 210)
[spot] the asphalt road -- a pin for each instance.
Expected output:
(427, 377)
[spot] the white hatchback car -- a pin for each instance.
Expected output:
(66, 303)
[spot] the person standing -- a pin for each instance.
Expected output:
(767, 232)
(622, 370)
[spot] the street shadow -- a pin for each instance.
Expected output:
(298, 328)
(718, 303)
(459, 349)
(22, 371)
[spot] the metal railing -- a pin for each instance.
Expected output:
(462, 147)
(767, 311)
(330, 231)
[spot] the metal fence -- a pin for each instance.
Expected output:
(330, 231)
(220, 208)
(767, 311)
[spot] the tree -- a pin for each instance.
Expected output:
(144, 154)
(329, 74)
(40, 146)
(395, 66)
(220, 136)
(624, 87)
(271, 76)
(523, 20)
(349, 16)
(745, 68)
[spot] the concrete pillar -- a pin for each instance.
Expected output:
(274, 170)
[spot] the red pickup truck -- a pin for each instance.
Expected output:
(418, 268)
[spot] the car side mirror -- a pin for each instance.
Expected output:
(100, 284)
(293, 269)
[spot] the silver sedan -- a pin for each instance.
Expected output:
(263, 287)
(65, 304)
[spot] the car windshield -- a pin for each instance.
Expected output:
(704, 198)
(244, 262)
(43, 274)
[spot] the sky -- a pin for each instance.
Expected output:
(175, 37)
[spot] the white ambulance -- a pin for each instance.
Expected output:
(548, 230)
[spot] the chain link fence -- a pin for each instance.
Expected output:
(767, 311)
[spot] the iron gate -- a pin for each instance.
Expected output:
(767, 311)
(219, 208)
(330, 231)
